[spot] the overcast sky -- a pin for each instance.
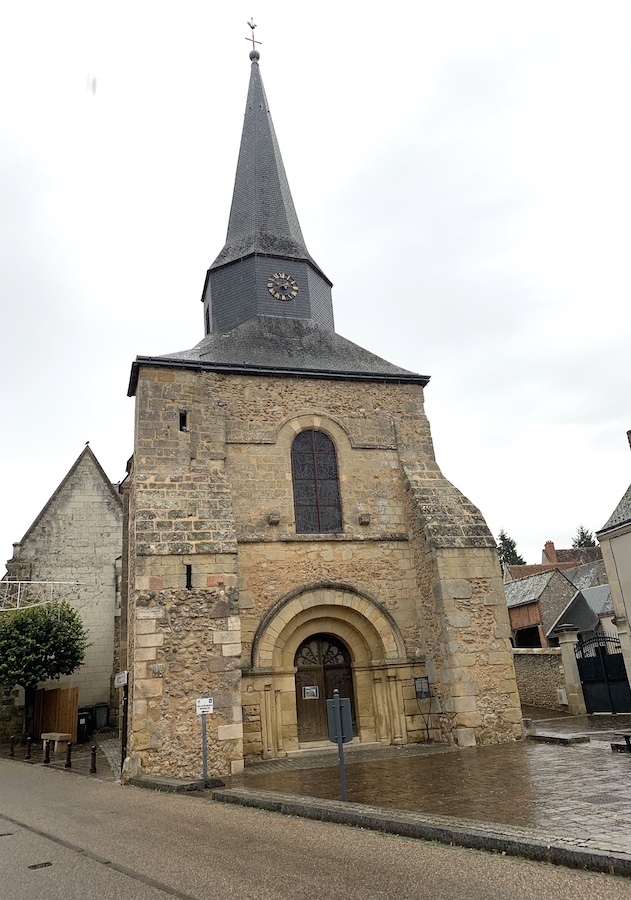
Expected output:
(461, 172)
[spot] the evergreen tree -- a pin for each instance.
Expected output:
(583, 538)
(507, 551)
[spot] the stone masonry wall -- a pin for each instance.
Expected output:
(221, 490)
(187, 646)
(539, 675)
(554, 598)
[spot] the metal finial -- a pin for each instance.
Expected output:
(254, 54)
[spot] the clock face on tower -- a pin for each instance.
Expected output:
(282, 286)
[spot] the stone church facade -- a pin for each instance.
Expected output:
(288, 529)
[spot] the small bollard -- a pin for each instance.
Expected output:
(46, 752)
(12, 745)
(68, 763)
(29, 741)
(93, 761)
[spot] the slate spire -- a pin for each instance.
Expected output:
(264, 239)
(262, 217)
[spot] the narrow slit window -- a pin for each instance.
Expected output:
(316, 484)
(189, 577)
(207, 319)
(183, 420)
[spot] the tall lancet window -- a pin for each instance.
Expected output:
(316, 483)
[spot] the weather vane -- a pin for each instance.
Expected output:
(252, 26)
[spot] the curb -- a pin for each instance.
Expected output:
(445, 829)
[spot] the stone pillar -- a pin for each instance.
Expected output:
(568, 639)
(622, 627)
(280, 750)
(395, 703)
(382, 734)
(267, 721)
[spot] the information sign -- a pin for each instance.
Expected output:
(204, 705)
(120, 680)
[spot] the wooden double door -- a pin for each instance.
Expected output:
(323, 663)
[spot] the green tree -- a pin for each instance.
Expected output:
(38, 643)
(507, 551)
(583, 538)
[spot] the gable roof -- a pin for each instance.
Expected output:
(517, 572)
(585, 608)
(85, 453)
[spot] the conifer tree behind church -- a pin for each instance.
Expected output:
(507, 551)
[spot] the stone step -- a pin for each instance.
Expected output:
(328, 747)
(551, 737)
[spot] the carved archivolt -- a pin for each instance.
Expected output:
(365, 626)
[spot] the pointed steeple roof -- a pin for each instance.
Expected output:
(268, 308)
(263, 217)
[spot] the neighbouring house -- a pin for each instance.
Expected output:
(615, 542)
(563, 560)
(534, 603)
(72, 551)
(575, 556)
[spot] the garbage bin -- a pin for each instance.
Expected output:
(85, 724)
(101, 715)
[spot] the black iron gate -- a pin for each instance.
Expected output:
(603, 675)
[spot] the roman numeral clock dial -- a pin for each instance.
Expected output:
(282, 286)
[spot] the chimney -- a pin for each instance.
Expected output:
(549, 553)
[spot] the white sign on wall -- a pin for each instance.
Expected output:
(120, 680)
(204, 705)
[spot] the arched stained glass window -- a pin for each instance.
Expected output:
(316, 484)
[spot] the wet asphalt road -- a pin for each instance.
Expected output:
(104, 841)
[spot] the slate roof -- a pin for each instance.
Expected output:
(620, 516)
(262, 216)
(276, 346)
(295, 338)
(527, 590)
(599, 599)
(588, 575)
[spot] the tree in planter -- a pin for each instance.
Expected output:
(507, 551)
(38, 643)
(583, 538)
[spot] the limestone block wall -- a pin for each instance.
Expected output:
(184, 631)
(466, 626)
(539, 675)
(78, 537)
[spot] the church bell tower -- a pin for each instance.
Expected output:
(288, 529)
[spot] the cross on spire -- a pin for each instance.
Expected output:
(252, 26)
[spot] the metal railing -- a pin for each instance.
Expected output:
(23, 594)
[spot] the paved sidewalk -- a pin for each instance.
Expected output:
(575, 796)
(566, 804)
(107, 757)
